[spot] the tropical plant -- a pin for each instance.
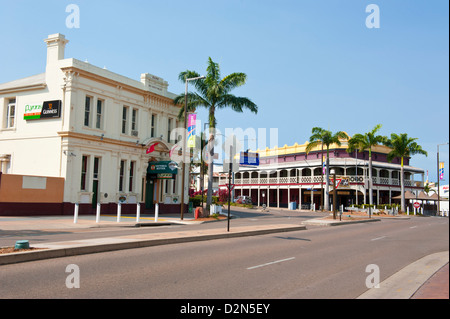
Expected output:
(325, 138)
(403, 147)
(213, 93)
(365, 142)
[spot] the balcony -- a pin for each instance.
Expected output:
(360, 179)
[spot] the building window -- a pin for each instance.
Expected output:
(11, 113)
(121, 175)
(98, 119)
(87, 110)
(169, 129)
(84, 167)
(153, 127)
(124, 120)
(134, 118)
(132, 168)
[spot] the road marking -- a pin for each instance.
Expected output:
(271, 263)
(413, 227)
(378, 238)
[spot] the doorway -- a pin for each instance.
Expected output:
(149, 189)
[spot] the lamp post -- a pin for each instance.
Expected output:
(333, 172)
(438, 178)
(183, 177)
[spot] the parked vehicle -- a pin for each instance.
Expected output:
(244, 200)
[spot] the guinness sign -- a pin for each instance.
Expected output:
(49, 109)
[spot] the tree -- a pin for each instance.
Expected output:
(213, 93)
(324, 137)
(365, 143)
(403, 147)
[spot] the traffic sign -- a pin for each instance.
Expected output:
(416, 204)
(230, 187)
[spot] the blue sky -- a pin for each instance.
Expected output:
(309, 63)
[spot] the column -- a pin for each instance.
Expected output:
(300, 197)
(259, 195)
(278, 194)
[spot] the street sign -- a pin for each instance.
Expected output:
(230, 187)
(416, 204)
(248, 158)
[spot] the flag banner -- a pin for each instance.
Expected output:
(152, 148)
(441, 170)
(191, 130)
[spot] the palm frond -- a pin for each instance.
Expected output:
(232, 81)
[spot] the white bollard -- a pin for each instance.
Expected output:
(156, 212)
(407, 210)
(75, 214)
(97, 217)
(138, 212)
(119, 211)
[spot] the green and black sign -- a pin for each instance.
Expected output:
(49, 109)
(162, 170)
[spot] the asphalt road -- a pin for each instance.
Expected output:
(244, 217)
(320, 262)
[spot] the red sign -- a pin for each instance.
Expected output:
(230, 187)
(416, 204)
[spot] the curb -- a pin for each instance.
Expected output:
(323, 222)
(404, 283)
(90, 246)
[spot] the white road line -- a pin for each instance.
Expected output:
(413, 227)
(271, 263)
(378, 238)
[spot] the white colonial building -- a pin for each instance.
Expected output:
(91, 127)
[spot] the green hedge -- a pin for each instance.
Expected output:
(197, 200)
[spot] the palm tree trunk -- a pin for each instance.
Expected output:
(212, 126)
(402, 188)
(321, 180)
(370, 179)
(327, 193)
(210, 173)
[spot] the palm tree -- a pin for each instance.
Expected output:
(213, 93)
(366, 142)
(403, 146)
(324, 137)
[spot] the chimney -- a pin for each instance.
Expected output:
(55, 47)
(154, 83)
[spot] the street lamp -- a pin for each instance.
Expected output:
(438, 177)
(183, 177)
(333, 172)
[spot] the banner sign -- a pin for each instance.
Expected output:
(49, 109)
(441, 170)
(162, 170)
(247, 158)
(191, 130)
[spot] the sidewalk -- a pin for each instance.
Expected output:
(425, 279)
(88, 221)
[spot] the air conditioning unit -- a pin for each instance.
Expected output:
(134, 133)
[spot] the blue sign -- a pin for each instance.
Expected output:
(247, 158)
